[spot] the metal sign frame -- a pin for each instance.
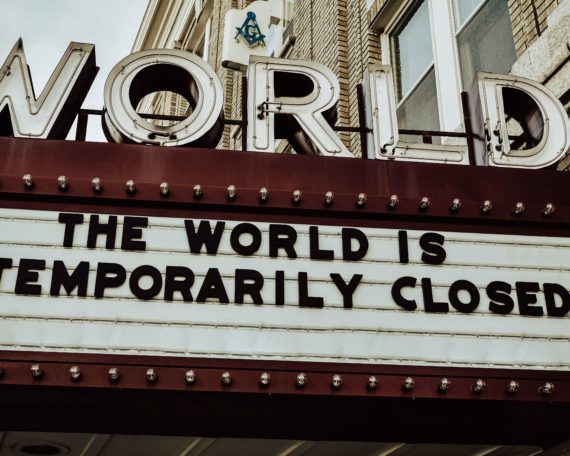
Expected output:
(451, 395)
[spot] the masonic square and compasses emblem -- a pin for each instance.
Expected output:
(250, 31)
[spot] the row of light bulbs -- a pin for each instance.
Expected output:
(226, 379)
(296, 197)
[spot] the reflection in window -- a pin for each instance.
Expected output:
(419, 111)
(287, 11)
(414, 53)
(414, 73)
(463, 9)
(485, 41)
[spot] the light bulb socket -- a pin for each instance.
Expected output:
(444, 385)
(519, 208)
(227, 379)
(96, 185)
(75, 373)
(114, 375)
(190, 377)
(548, 210)
(393, 202)
(197, 191)
(424, 203)
(62, 184)
(455, 205)
(28, 181)
(486, 207)
(296, 197)
(408, 384)
(231, 193)
(151, 376)
(361, 200)
(263, 195)
(36, 371)
(336, 382)
(130, 187)
(301, 380)
(264, 379)
(479, 386)
(512, 387)
(164, 189)
(547, 389)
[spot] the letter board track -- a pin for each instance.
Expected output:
(380, 280)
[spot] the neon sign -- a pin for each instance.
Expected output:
(277, 108)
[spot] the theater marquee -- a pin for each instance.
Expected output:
(168, 286)
(217, 271)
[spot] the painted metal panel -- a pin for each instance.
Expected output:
(374, 330)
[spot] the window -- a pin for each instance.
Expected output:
(281, 26)
(415, 75)
(484, 37)
(435, 48)
(287, 11)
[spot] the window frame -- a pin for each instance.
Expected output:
(446, 61)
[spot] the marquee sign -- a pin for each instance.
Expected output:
(253, 290)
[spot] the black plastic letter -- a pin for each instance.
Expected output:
(70, 221)
(60, 277)
(204, 236)
(432, 246)
(346, 289)
(501, 301)
(404, 282)
(132, 233)
(183, 286)
(109, 275)
(150, 292)
(27, 274)
(282, 237)
(213, 287)
(245, 228)
(469, 287)
(348, 234)
(248, 282)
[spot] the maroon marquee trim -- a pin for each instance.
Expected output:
(215, 170)
(16, 369)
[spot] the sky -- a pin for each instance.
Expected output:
(48, 26)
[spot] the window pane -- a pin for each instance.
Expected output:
(419, 111)
(413, 52)
(487, 44)
(287, 11)
(463, 9)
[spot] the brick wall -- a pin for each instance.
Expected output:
(336, 34)
(529, 20)
(221, 7)
(332, 32)
(364, 46)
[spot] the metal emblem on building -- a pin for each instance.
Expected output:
(250, 31)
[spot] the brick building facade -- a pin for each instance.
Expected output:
(347, 36)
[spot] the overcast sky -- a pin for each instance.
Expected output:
(48, 26)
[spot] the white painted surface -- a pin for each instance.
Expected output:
(235, 51)
(376, 330)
